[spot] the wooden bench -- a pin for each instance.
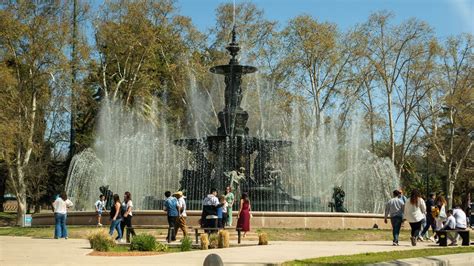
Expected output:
(443, 236)
(214, 230)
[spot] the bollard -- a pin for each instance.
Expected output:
(213, 260)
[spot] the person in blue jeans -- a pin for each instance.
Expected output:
(172, 211)
(394, 208)
(116, 218)
(60, 206)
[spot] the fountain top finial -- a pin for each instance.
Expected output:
(233, 66)
(233, 48)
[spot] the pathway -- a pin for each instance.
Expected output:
(33, 251)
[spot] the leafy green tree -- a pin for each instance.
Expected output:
(31, 43)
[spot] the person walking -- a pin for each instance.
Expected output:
(394, 208)
(99, 208)
(430, 221)
(414, 212)
(181, 222)
(116, 218)
(127, 215)
(229, 197)
(171, 208)
(60, 207)
(243, 218)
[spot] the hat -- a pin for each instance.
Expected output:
(179, 193)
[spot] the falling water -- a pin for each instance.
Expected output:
(130, 153)
(134, 153)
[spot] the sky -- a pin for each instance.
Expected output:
(447, 17)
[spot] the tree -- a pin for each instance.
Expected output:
(388, 50)
(31, 42)
(321, 61)
(447, 116)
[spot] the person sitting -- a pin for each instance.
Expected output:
(450, 225)
(461, 220)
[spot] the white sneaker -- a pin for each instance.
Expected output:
(99, 224)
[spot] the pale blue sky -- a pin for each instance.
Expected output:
(447, 17)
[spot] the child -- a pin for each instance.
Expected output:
(99, 208)
(222, 219)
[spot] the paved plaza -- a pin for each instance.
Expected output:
(33, 251)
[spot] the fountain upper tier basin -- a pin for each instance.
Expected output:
(228, 69)
(212, 143)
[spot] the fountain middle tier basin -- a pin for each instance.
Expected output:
(247, 145)
(228, 69)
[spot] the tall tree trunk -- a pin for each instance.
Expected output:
(20, 194)
(390, 123)
(3, 181)
(74, 63)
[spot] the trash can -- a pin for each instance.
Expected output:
(28, 220)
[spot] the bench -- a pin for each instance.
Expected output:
(443, 236)
(214, 230)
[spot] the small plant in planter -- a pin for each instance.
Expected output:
(262, 239)
(186, 244)
(100, 240)
(213, 241)
(223, 239)
(144, 242)
(204, 241)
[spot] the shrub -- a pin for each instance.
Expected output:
(204, 241)
(213, 241)
(186, 244)
(100, 240)
(262, 239)
(223, 239)
(143, 242)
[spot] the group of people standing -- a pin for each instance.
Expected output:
(120, 215)
(422, 215)
(216, 212)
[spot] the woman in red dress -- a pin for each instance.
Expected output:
(243, 219)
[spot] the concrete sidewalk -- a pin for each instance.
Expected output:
(31, 251)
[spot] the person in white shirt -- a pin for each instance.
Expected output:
(99, 208)
(181, 222)
(460, 217)
(450, 224)
(414, 213)
(60, 206)
(127, 215)
(461, 222)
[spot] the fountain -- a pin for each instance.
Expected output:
(218, 157)
(299, 174)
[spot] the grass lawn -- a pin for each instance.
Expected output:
(7, 218)
(283, 234)
(367, 258)
(274, 234)
(73, 231)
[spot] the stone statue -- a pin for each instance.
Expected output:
(108, 194)
(236, 178)
(338, 197)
